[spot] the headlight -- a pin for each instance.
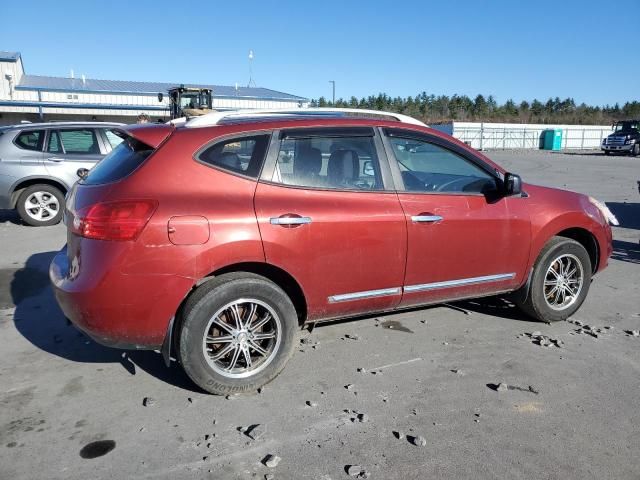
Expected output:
(611, 218)
(629, 141)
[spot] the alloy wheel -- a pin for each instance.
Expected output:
(242, 338)
(42, 206)
(563, 282)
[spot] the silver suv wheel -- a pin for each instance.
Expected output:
(41, 206)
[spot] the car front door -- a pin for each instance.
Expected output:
(463, 239)
(326, 218)
(69, 149)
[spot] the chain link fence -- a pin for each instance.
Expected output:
(507, 138)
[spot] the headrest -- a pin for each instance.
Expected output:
(344, 166)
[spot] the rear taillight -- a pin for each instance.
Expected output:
(119, 221)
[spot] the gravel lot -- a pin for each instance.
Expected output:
(423, 407)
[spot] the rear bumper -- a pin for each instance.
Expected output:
(115, 309)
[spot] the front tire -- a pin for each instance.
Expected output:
(237, 333)
(607, 152)
(635, 151)
(560, 281)
(41, 205)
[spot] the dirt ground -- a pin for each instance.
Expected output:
(570, 412)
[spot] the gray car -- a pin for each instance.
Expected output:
(39, 164)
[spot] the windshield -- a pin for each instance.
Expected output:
(626, 126)
(194, 100)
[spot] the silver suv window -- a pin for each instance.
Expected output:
(30, 140)
(80, 140)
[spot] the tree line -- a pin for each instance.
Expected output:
(442, 108)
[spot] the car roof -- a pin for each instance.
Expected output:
(42, 125)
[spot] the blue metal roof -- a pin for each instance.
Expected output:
(90, 85)
(9, 56)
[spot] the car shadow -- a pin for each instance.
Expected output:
(499, 306)
(626, 251)
(628, 214)
(584, 153)
(495, 306)
(38, 319)
(10, 216)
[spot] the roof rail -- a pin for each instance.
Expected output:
(217, 118)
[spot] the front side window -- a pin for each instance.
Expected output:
(242, 155)
(80, 140)
(426, 167)
(30, 140)
(342, 163)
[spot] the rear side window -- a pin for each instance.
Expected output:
(122, 161)
(340, 163)
(31, 140)
(81, 140)
(242, 155)
(54, 142)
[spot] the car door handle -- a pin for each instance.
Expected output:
(423, 218)
(55, 159)
(289, 220)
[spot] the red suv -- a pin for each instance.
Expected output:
(215, 240)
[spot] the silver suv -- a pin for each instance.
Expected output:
(39, 164)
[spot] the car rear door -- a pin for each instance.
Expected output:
(29, 149)
(463, 239)
(327, 218)
(71, 148)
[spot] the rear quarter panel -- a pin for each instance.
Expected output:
(184, 187)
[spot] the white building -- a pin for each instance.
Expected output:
(40, 98)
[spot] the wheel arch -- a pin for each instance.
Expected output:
(275, 274)
(24, 183)
(585, 238)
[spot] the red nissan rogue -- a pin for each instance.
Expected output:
(214, 240)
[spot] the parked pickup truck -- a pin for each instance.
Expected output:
(625, 138)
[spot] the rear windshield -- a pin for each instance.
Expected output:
(122, 160)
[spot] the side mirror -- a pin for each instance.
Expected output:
(82, 173)
(160, 97)
(368, 170)
(512, 184)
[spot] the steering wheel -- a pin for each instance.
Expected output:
(444, 186)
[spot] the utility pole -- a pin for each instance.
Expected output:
(333, 96)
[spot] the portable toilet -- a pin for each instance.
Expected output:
(553, 139)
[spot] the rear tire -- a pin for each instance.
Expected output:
(250, 318)
(41, 205)
(560, 281)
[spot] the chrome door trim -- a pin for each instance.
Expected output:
(345, 297)
(426, 218)
(458, 283)
(289, 220)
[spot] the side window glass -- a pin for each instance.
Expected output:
(341, 163)
(31, 140)
(242, 155)
(114, 139)
(54, 142)
(426, 167)
(81, 140)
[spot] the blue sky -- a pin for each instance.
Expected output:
(511, 49)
